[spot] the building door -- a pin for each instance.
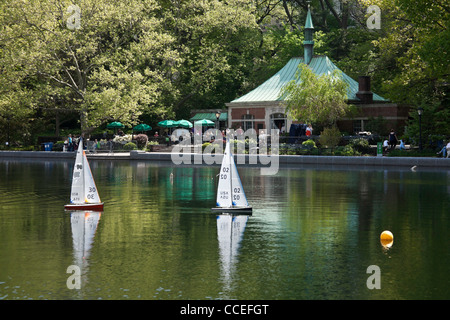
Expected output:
(278, 121)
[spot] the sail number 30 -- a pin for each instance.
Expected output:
(91, 196)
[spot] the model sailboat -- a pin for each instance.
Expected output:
(84, 194)
(230, 193)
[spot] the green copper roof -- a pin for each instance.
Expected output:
(309, 24)
(270, 89)
(209, 116)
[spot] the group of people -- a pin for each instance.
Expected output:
(71, 143)
(391, 142)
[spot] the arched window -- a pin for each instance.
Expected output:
(278, 121)
(248, 122)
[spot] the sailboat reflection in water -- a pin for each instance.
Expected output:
(84, 225)
(230, 231)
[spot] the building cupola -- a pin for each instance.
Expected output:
(308, 43)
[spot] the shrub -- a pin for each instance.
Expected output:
(361, 145)
(330, 137)
(141, 140)
(309, 144)
(125, 138)
(210, 147)
(346, 151)
(204, 145)
(130, 146)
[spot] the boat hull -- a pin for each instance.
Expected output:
(237, 210)
(84, 206)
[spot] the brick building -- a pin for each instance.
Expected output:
(263, 108)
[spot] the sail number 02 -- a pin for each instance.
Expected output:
(225, 169)
(236, 192)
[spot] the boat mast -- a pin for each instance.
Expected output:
(231, 170)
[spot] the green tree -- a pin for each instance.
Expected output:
(411, 61)
(316, 98)
(377, 126)
(112, 65)
(412, 52)
(217, 41)
(434, 125)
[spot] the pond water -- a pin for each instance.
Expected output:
(313, 234)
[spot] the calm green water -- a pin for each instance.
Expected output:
(313, 234)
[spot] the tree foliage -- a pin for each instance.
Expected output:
(125, 59)
(111, 67)
(316, 98)
(162, 58)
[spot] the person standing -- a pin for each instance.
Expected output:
(309, 130)
(392, 139)
(70, 140)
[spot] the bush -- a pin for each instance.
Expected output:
(130, 146)
(346, 151)
(141, 140)
(330, 137)
(210, 147)
(361, 145)
(309, 144)
(204, 145)
(125, 138)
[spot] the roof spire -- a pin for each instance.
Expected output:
(308, 44)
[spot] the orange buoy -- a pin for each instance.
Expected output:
(386, 238)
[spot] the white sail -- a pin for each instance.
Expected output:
(77, 192)
(224, 196)
(239, 198)
(83, 185)
(90, 190)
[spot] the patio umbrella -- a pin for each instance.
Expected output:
(114, 125)
(142, 127)
(204, 123)
(167, 124)
(184, 124)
